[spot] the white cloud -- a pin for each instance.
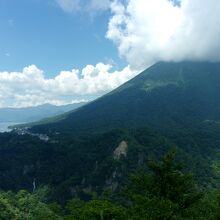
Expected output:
(147, 31)
(99, 5)
(89, 6)
(30, 87)
(69, 5)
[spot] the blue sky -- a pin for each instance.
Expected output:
(66, 51)
(39, 32)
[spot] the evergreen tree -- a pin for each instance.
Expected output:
(164, 192)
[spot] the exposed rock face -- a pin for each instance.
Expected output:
(121, 150)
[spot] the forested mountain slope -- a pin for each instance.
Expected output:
(164, 96)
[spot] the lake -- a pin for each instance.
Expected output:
(4, 126)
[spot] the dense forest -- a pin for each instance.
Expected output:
(73, 165)
(164, 191)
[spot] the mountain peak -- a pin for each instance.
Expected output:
(166, 94)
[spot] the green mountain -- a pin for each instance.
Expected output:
(97, 146)
(165, 95)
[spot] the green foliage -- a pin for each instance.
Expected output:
(95, 210)
(165, 192)
(24, 206)
(73, 164)
(161, 192)
(208, 208)
(7, 210)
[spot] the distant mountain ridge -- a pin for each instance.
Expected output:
(31, 114)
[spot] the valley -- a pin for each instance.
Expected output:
(95, 149)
